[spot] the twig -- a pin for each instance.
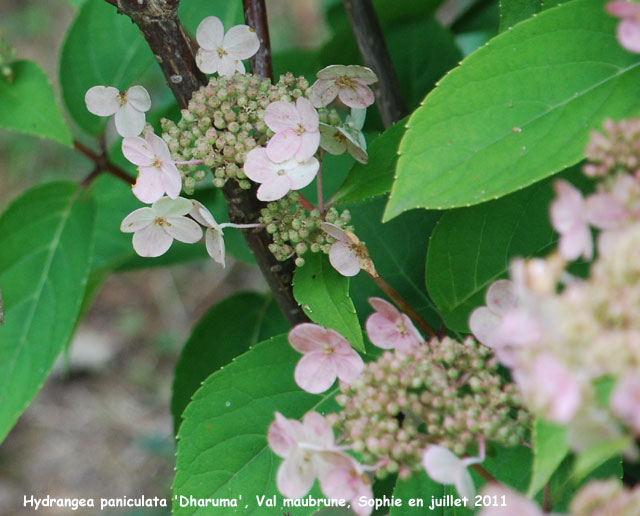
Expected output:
(484, 473)
(159, 24)
(402, 304)
(546, 500)
(102, 165)
(375, 55)
(255, 15)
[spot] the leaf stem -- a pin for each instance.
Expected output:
(102, 165)
(305, 202)
(484, 473)
(402, 304)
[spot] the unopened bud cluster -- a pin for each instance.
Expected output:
(604, 498)
(443, 392)
(295, 230)
(618, 150)
(224, 120)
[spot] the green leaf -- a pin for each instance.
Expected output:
(597, 455)
(323, 294)
(376, 177)
(516, 111)
(192, 12)
(101, 48)
(472, 247)
(398, 250)
(227, 330)
(46, 237)
(222, 446)
(28, 105)
(550, 449)
(419, 488)
(514, 11)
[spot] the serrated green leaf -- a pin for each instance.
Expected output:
(516, 111)
(376, 177)
(549, 450)
(323, 294)
(222, 446)
(46, 238)
(591, 459)
(515, 11)
(28, 105)
(472, 247)
(226, 331)
(102, 47)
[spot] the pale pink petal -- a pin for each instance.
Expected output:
(137, 220)
(283, 145)
(139, 98)
(148, 187)
(442, 465)
(129, 121)
(349, 366)
(623, 9)
(202, 215)
(307, 337)
(227, 66)
(308, 114)
(381, 331)
(604, 211)
(629, 35)
(357, 96)
(576, 242)
(274, 189)
(183, 229)
(332, 72)
(318, 429)
(215, 245)
(357, 152)
(151, 241)
(280, 116)
(567, 209)
(334, 231)
(515, 503)
(464, 486)
(210, 33)
(483, 324)
(315, 372)
(167, 207)
(258, 167)
(159, 146)
(303, 173)
(208, 61)
(361, 73)
(309, 143)
(344, 259)
(323, 92)
(625, 401)
(241, 42)
(138, 151)
(102, 100)
(295, 477)
(239, 66)
(279, 436)
(171, 180)
(500, 296)
(332, 140)
(384, 308)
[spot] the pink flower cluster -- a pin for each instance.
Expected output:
(310, 452)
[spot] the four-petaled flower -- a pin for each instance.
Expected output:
(629, 28)
(347, 254)
(348, 83)
(326, 355)
(128, 106)
(346, 137)
(223, 53)
(389, 328)
(155, 228)
(158, 173)
(296, 130)
(278, 178)
(444, 467)
(308, 450)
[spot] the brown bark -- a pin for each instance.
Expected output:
(158, 21)
(375, 55)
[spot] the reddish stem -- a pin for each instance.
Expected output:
(102, 165)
